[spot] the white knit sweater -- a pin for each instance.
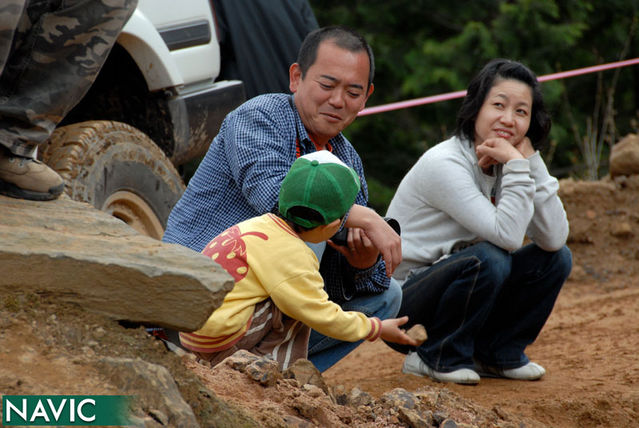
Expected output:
(445, 199)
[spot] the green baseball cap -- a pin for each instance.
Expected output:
(319, 181)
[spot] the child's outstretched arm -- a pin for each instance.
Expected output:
(392, 333)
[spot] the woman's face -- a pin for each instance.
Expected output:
(505, 113)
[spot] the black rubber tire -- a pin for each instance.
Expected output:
(117, 169)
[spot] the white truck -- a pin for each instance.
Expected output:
(154, 109)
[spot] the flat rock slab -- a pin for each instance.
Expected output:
(76, 253)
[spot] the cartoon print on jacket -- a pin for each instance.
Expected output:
(229, 250)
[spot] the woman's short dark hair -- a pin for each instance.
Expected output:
(481, 84)
(343, 37)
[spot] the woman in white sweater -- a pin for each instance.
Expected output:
(465, 208)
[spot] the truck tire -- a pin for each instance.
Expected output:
(117, 169)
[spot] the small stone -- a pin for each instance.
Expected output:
(265, 371)
(313, 391)
(621, 230)
(240, 360)
(449, 423)
(340, 394)
(357, 398)
(159, 416)
(413, 419)
(292, 421)
(399, 397)
(417, 332)
(305, 372)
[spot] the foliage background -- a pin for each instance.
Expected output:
(428, 47)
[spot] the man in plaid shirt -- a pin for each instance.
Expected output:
(240, 176)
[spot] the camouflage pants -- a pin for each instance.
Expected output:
(50, 53)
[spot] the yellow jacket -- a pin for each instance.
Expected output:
(268, 259)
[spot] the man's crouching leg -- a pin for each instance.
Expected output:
(324, 351)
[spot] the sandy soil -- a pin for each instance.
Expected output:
(589, 345)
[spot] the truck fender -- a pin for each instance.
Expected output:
(145, 45)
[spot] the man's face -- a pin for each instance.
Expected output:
(333, 91)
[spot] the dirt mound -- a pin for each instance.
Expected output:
(588, 347)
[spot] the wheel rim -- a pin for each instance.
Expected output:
(135, 212)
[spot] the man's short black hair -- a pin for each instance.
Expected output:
(343, 37)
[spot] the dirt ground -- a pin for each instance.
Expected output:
(590, 344)
(588, 347)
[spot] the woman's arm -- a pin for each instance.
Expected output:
(549, 225)
(451, 182)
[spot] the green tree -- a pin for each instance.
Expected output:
(425, 47)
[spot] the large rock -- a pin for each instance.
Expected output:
(154, 390)
(624, 156)
(76, 253)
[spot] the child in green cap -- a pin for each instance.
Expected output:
(279, 296)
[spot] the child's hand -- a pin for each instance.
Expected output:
(392, 333)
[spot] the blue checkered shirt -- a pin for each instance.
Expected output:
(240, 178)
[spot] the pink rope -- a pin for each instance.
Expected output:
(460, 94)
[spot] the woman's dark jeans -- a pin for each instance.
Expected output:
(483, 303)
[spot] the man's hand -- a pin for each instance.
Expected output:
(359, 250)
(385, 240)
(392, 333)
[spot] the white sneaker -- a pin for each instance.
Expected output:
(530, 371)
(415, 366)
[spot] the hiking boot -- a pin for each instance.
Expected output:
(27, 178)
(413, 364)
(530, 371)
